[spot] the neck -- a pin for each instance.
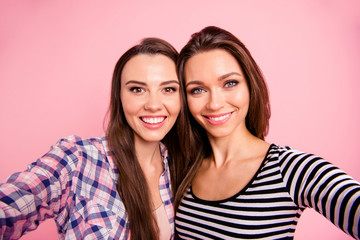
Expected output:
(147, 152)
(238, 145)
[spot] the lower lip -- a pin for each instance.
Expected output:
(153, 125)
(220, 122)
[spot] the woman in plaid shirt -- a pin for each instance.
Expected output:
(109, 187)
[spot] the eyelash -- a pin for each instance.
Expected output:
(227, 84)
(197, 90)
(135, 89)
(231, 83)
(169, 89)
(141, 90)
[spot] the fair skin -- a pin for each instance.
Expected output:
(151, 103)
(218, 98)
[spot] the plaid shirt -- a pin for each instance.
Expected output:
(75, 183)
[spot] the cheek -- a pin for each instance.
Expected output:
(241, 97)
(194, 105)
(128, 112)
(174, 104)
(129, 106)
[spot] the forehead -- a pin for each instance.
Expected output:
(147, 62)
(143, 65)
(213, 62)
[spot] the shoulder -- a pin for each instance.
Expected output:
(275, 149)
(287, 157)
(76, 140)
(286, 152)
(73, 143)
(72, 149)
(293, 161)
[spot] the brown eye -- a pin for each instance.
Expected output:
(136, 90)
(169, 90)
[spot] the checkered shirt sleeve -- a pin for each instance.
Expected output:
(74, 183)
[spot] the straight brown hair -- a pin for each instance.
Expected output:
(132, 185)
(257, 119)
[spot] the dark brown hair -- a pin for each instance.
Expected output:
(257, 119)
(132, 185)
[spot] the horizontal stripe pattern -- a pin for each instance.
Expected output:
(270, 206)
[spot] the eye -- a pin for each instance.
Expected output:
(196, 91)
(137, 90)
(231, 83)
(169, 89)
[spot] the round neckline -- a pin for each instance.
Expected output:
(242, 190)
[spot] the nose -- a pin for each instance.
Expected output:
(216, 101)
(153, 102)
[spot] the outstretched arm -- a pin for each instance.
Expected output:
(316, 183)
(42, 191)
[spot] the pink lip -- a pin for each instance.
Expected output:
(218, 119)
(153, 122)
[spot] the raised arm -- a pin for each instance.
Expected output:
(316, 183)
(40, 192)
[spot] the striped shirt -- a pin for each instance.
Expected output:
(74, 183)
(270, 206)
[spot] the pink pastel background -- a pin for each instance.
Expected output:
(57, 57)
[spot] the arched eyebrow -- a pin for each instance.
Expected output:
(169, 82)
(228, 75)
(221, 78)
(194, 82)
(135, 82)
(144, 84)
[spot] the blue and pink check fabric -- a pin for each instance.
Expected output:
(74, 183)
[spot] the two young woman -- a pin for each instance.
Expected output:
(236, 186)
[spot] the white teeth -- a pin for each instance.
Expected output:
(153, 120)
(220, 118)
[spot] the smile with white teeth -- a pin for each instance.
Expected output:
(219, 118)
(155, 120)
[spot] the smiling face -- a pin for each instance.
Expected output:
(150, 96)
(217, 92)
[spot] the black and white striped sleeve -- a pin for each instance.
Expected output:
(316, 183)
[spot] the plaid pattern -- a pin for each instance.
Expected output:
(74, 183)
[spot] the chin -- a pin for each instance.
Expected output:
(154, 138)
(219, 134)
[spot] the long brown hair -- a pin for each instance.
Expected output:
(132, 185)
(257, 119)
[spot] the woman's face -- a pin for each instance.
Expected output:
(150, 96)
(217, 92)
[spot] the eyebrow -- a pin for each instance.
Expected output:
(169, 82)
(135, 82)
(196, 82)
(144, 84)
(228, 75)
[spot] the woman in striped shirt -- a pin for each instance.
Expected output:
(239, 186)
